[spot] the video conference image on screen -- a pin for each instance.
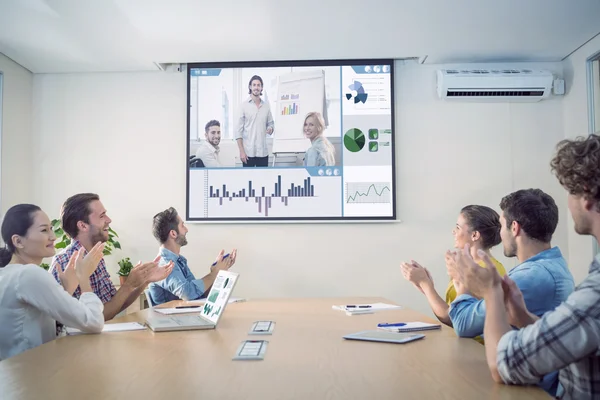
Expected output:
(290, 141)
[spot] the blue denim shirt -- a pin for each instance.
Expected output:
(544, 280)
(181, 284)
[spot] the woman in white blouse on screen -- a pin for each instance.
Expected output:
(30, 299)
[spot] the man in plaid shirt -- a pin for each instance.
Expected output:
(568, 338)
(84, 219)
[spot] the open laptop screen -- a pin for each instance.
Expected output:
(219, 296)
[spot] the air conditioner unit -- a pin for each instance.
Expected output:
(494, 85)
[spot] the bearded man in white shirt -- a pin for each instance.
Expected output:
(208, 151)
(256, 122)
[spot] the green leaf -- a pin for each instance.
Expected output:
(110, 230)
(117, 245)
(106, 252)
(55, 223)
(60, 245)
(59, 232)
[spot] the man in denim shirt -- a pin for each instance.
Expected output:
(529, 218)
(168, 228)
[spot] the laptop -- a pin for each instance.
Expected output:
(210, 313)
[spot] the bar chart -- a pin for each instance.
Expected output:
(290, 109)
(264, 193)
(304, 190)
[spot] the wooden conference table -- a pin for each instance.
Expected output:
(306, 358)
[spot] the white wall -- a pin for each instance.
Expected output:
(575, 113)
(122, 135)
(17, 160)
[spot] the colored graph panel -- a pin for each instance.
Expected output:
(354, 140)
(290, 109)
(368, 192)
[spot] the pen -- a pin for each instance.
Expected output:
(353, 306)
(385, 324)
(224, 257)
(188, 307)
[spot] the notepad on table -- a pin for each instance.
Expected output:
(122, 327)
(357, 309)
(410, 327)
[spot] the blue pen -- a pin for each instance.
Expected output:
(224, 257)
(386, 325)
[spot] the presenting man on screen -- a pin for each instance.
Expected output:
(256, 122)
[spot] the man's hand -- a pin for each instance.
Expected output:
(144, 273)
(450, 264)
(85, 266)
(243, 156)
(515, 304)
(416, 274)
(223, 264)
(475, 279)
(270, 130)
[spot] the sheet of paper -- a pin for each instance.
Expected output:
(122, 327)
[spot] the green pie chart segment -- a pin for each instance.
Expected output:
(354, 140)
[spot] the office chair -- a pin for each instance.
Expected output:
(195, 162)
(149, 298)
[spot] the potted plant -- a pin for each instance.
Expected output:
(45, 266)
(125, 267)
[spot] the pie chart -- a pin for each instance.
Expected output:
(354, 140)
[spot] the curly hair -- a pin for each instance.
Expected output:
(577, 166)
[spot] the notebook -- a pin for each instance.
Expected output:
(387, 337)
(210, 313)
(122, 327)
(411, 327)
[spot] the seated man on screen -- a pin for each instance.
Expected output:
(256, 122)
(528, 221)
(208, 151)
(168, 228)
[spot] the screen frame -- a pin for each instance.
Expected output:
(290, 63)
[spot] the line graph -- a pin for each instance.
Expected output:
(368, 192)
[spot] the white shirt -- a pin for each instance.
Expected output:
(30, 303)
(209, 154)
(252, 128)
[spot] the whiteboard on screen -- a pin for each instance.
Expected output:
(298, 93)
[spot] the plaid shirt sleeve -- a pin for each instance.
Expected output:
(59, 261)
(102, 284)
(561, 337)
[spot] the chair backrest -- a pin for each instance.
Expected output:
(196, 163)
(149, 298)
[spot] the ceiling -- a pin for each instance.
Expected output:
(55, 36)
